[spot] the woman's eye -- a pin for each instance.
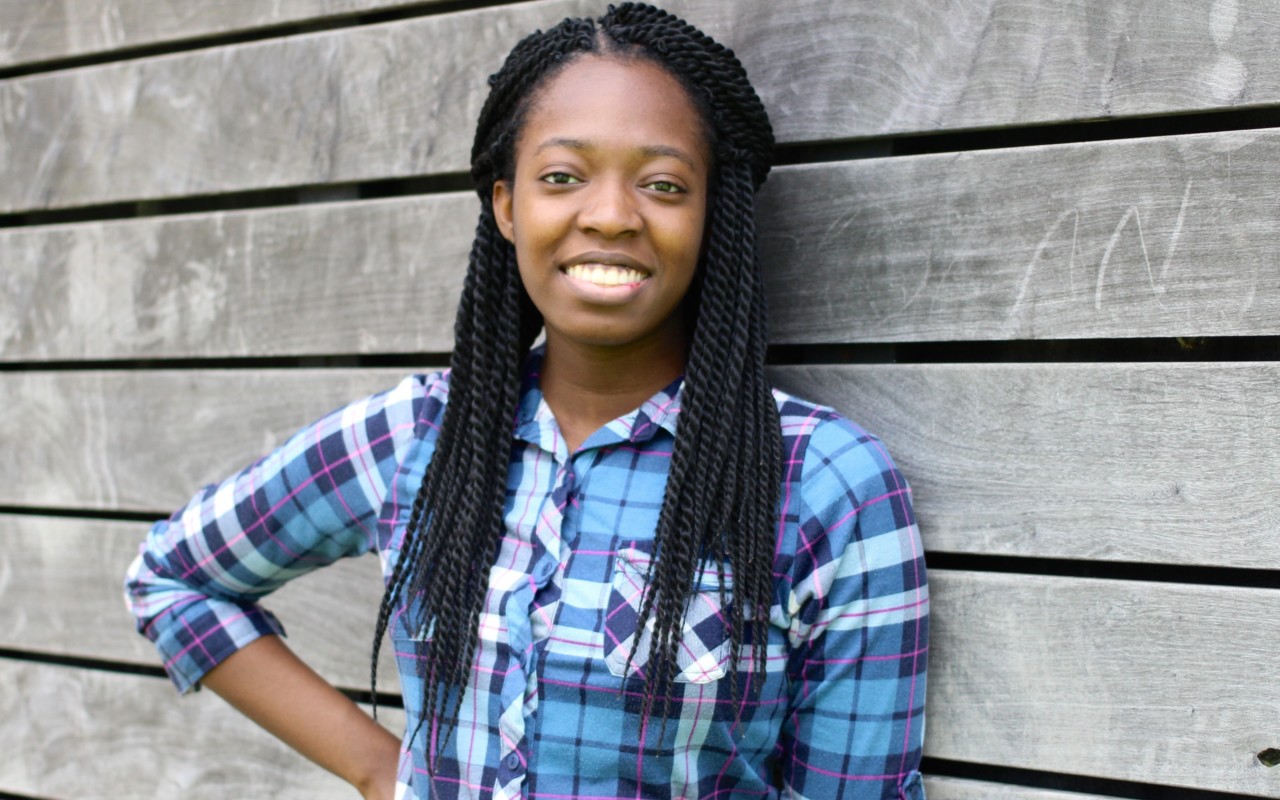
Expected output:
(560, 178)
(666, 187)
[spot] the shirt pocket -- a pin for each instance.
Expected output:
(704, 643)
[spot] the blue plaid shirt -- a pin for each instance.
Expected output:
(551, 711)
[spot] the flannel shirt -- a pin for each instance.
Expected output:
(551, 710)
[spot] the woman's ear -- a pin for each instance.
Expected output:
(502, 210)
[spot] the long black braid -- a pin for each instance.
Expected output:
(722, 490)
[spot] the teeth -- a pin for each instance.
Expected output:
(604, 274)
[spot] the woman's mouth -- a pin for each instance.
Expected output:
(605, 274)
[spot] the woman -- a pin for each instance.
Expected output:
(651, 481)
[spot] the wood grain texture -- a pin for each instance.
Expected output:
(1163, 463)
(376, 101)
(1160, 463)
(55, 604)
(362, 277)
(1157, 237)
(146, 441)
(401, 98)
(78, 733)
(939, 788)
(1173, 236)
(31, 33)
(1159, 683)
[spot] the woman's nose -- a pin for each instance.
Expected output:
(610, 209)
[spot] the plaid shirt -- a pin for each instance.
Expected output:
(549, 712)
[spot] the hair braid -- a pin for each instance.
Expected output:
(720, 501)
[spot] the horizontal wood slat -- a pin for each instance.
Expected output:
(1171, 236)
(401, 98)
(60, 594)
(1084, 664)
(1148, 238)
(1161, 463)
(363, 277)
(71, 733)
(1155, 683)
(939, 788)
(34, 32)
(146, 441)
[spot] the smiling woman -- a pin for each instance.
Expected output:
(618, 564)
(606, 210)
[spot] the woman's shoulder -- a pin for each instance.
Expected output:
(423, 385)
(391, 419)
(817, 437)
(841, 487)
(421, 396)
(835, 471)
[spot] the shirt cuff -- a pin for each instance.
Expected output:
(196, 637)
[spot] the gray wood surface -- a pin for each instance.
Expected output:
(70, 733)
(400, 98)
(1168, 463)
(1159, 683)
(33, 32)
(147, 440)
(55, 604)
(1170, 236)
(939, 788)
(374, 276)
(1157, 237)
(1164, 463)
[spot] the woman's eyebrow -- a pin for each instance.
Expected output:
(649, 151)
(655, 150)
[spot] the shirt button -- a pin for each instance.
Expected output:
(513, 761)
(543, 571)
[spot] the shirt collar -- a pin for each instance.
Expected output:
(535, 423)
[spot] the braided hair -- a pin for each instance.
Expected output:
(722, 490)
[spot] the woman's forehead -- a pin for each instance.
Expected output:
(608, 102)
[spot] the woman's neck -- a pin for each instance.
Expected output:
(587, 386)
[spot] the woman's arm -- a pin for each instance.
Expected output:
(195, 586)
(271, 686)
(860, 626)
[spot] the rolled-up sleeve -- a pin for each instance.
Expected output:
(859, 625)
(194, 588)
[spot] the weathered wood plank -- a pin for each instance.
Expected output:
(1162, 463)
(144, 741)
(400, 98)
(1172, 236)
(56, 605)
(146, 441)
(31, 33)
(939, 788)
(374, 101)
(1159, 683)
(1158, 237)
(1166, 463)
(372, 276)
(1118, 679)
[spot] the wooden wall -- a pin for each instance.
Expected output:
(1032, 244)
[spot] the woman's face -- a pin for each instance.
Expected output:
(608, 203)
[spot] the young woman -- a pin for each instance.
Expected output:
(618, 564)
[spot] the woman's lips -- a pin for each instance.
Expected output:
(604, 274)
(604, 283)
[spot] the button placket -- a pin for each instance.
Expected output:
(544, 570)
